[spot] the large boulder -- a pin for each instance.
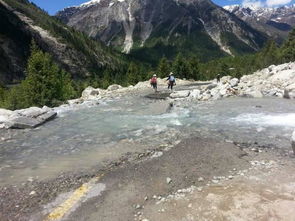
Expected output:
(5, 115)
(225, 79)
(75, 101)
(26, 118)
(90, 93)
(234, 82)
(253, 94)
(284, 75)
(23, 123)
(180, 94)
(114, 87)
(206, 96)
(141, 85)
(31, 112)
(195, 93)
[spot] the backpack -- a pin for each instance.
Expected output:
(154, 80)
(172, 78)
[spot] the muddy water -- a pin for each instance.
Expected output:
(81, 139)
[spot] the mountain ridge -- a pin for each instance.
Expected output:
(132, 26)
(73, 51)
(276, 22)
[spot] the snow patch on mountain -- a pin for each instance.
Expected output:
(92, 2)
(129, 29)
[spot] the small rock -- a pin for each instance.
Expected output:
(190, 205)
(255, 150)
(215, 181)
(32, 193)
(200, 179)
(168, 180)
(146, 198)
(180, 94)
(138, 206)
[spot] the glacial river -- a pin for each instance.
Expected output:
(90, 137)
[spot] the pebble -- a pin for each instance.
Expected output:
(146, 198)
(33, 193)
(215, 181)
(168, 180)
(137, 206)
(200, 179)
(255, 150)
(190, 205)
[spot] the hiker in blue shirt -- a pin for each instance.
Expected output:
(171, 81)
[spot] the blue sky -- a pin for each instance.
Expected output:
(52, 6)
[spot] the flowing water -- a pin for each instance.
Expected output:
(81, 139)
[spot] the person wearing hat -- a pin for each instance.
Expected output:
(154, 82)
(171, 81)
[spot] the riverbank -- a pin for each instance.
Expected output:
(135, 158)
(274, 81)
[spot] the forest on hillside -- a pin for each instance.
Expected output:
(47, 84)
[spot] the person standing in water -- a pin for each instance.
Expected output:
(154, 82)
(171, 81)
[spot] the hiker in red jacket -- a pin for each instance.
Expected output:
(154, 82)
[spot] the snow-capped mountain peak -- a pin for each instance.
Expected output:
(276, 22)
(92, 2)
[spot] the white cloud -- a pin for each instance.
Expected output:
(253, 3)
(271, 3)
(266, 3)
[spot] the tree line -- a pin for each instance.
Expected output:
(48, 84)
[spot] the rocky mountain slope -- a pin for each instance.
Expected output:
(275, 22)
(150, 29)
(21, 22)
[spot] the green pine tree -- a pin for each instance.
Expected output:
(132, 73)
(180, 67)
(288, 49)
(194, 70)
(163, 69)
(45, 83)
(107, 78)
